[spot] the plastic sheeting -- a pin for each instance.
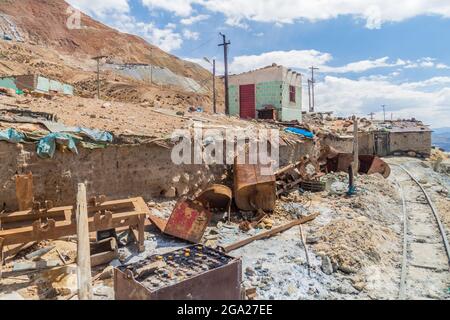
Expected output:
(93, 134)
(47, 145)
(300, 132)
(11, 135)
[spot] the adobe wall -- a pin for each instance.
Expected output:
(419, 142)
(119, 171)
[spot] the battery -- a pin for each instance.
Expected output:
(192, 273)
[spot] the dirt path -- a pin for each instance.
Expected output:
(426, 270)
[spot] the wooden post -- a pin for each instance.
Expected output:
(355, 147)
(83, 251)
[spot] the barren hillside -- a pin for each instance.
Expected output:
(43, 22)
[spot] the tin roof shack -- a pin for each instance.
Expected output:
(411, 137)
(35, 83)
(270, 88)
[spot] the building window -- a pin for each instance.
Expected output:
(292, 94)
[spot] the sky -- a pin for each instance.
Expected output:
(369, 53)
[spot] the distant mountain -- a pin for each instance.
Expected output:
(441, 138)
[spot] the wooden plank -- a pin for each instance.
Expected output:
(24, 191)
(65, 228)
(270, 233)
(83, 251)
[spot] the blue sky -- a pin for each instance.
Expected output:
(369, 52)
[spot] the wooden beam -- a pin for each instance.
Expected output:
(271, 233)
(83, 251)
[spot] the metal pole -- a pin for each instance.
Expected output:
(98, 79)
(214, 87)
(313, 81)
(151, 66)
(225, 45)
(355, 146)
(309, 96)
(384, 112)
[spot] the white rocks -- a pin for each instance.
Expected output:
(327, 267)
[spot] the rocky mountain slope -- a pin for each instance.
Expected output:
(42, 43)
(44, 23)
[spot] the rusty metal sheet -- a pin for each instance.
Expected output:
(221, 283)
(368, 164)
(252, 190)
(373, 164)
(216, 196)
(188, 221)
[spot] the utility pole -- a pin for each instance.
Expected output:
(384, 112)
(313, 81)
(151, 66)
(98, 58)
(371, 115)
(225, 45)
(214, 82)
(311, 109)
(214, 87)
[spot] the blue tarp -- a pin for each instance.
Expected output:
(300, 132)
(47, 145)
(96, 135)
(11, 135)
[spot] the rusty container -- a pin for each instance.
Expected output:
(188, 221)
(220, 280)
(372, 164)
(252, 189)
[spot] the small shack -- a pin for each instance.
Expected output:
(36, 83)
(273, 92)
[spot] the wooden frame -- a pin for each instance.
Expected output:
(54, 223)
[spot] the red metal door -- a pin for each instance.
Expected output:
(247, 101)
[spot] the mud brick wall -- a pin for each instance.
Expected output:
(117, 172)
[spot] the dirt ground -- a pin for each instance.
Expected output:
(354, 246)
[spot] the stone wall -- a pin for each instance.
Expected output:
(418, 142)
(119, 171)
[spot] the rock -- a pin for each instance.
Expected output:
(338, 188)
(106, 105)
(347, 269)
(327, 267)
(412, 154)
(249, 271)
(359, 286)
(312, 240)
(107, 273)
(93, 116)
(11, 296)
(170, 193)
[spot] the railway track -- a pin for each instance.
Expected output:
(425, 270)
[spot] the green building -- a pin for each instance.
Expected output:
(257, 93)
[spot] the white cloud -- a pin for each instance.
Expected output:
(374, 12)
(179, 7)
(363, 65)
(299, 59)
(165, 38)
(442, 66)
(427, 100)
(100, 8)
(304, 59)
(194, 19)
(191, 35)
